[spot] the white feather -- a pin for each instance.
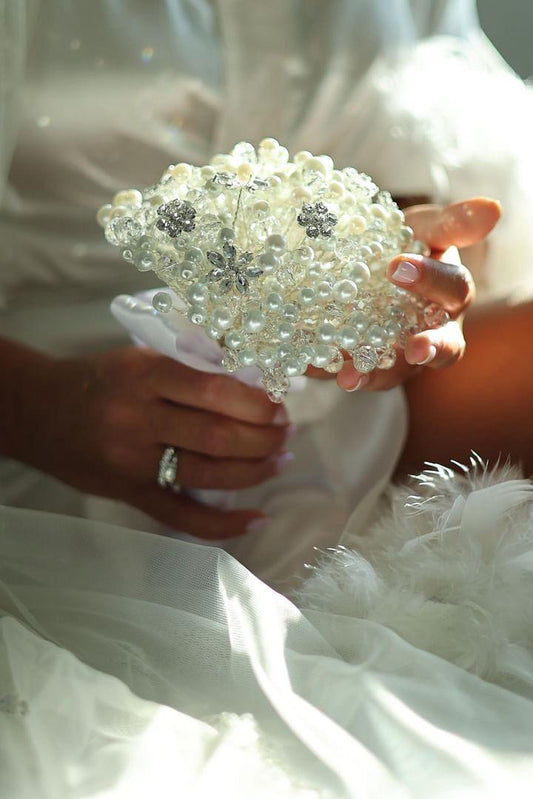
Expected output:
(449, 568)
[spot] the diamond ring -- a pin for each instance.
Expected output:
(168, 468)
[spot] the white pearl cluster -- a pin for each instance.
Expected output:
(283, 262)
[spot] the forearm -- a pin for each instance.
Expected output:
(484, 403)
(23, 398)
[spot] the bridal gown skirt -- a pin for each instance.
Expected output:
(133, 664)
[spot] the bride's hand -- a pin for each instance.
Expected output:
(439, 278)
(101, 424)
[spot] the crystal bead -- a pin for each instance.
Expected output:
(365, 359)
(123, 231)
(230, 360)
(387, 358)
(162, 302)
(336, 361)
(435, 315)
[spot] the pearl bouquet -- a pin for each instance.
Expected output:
(283, 262)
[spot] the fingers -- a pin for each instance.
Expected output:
(218, 393)
(436, 348)
(461, 224)
(450, 285)
(201, 471)
(215, 435)
(182, 513)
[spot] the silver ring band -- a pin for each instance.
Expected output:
(168, 468)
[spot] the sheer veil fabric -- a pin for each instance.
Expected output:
(133, 664)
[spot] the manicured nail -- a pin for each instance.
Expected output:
(405, 273)
(281, 417)
(284, 461)
(431, 355)
(257, 524)
(363, 380)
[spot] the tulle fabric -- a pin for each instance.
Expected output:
(134, 665)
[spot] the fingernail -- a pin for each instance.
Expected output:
(406, 273)
(431, 355)
(281, 416)
(363, 380)
(257, 524)
(284, 461)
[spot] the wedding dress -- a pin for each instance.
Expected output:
(134, 663)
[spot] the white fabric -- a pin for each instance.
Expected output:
(134, 665)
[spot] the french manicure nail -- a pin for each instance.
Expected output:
(257, 524)
(284, 461)
(281, 416)
(430, 356)
(406, 273)
(363, 380)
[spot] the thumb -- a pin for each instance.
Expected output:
(460, 224)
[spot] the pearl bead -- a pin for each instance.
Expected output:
(197, 315)
(357, 224)
(292, 367)
(226, 234)
(269, 144)
(406, 236)
(285, 331)
(180, 171)
(345, 291)
(274, 302)
(195, 255)
(207, 172)
(359, 320)
(234, 340)
(376, 336)
(104, 214)
(221, 318)
(254, 322)
(276, 243)
(307, 296)
(268, 261)
(396, 217)
(378, 212)
(302, 157)
(213, 332)
(260, 209)
(245, 173)
(324, 291)
(290, 312)
(348, 338)
(162, 302)
(305, 254)
(198, 293)
(187, 270)
(326, 333)
(359, 272)
(267, 357)
(248, 356)
(129, 197)
(323, 354)
(284, 351)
